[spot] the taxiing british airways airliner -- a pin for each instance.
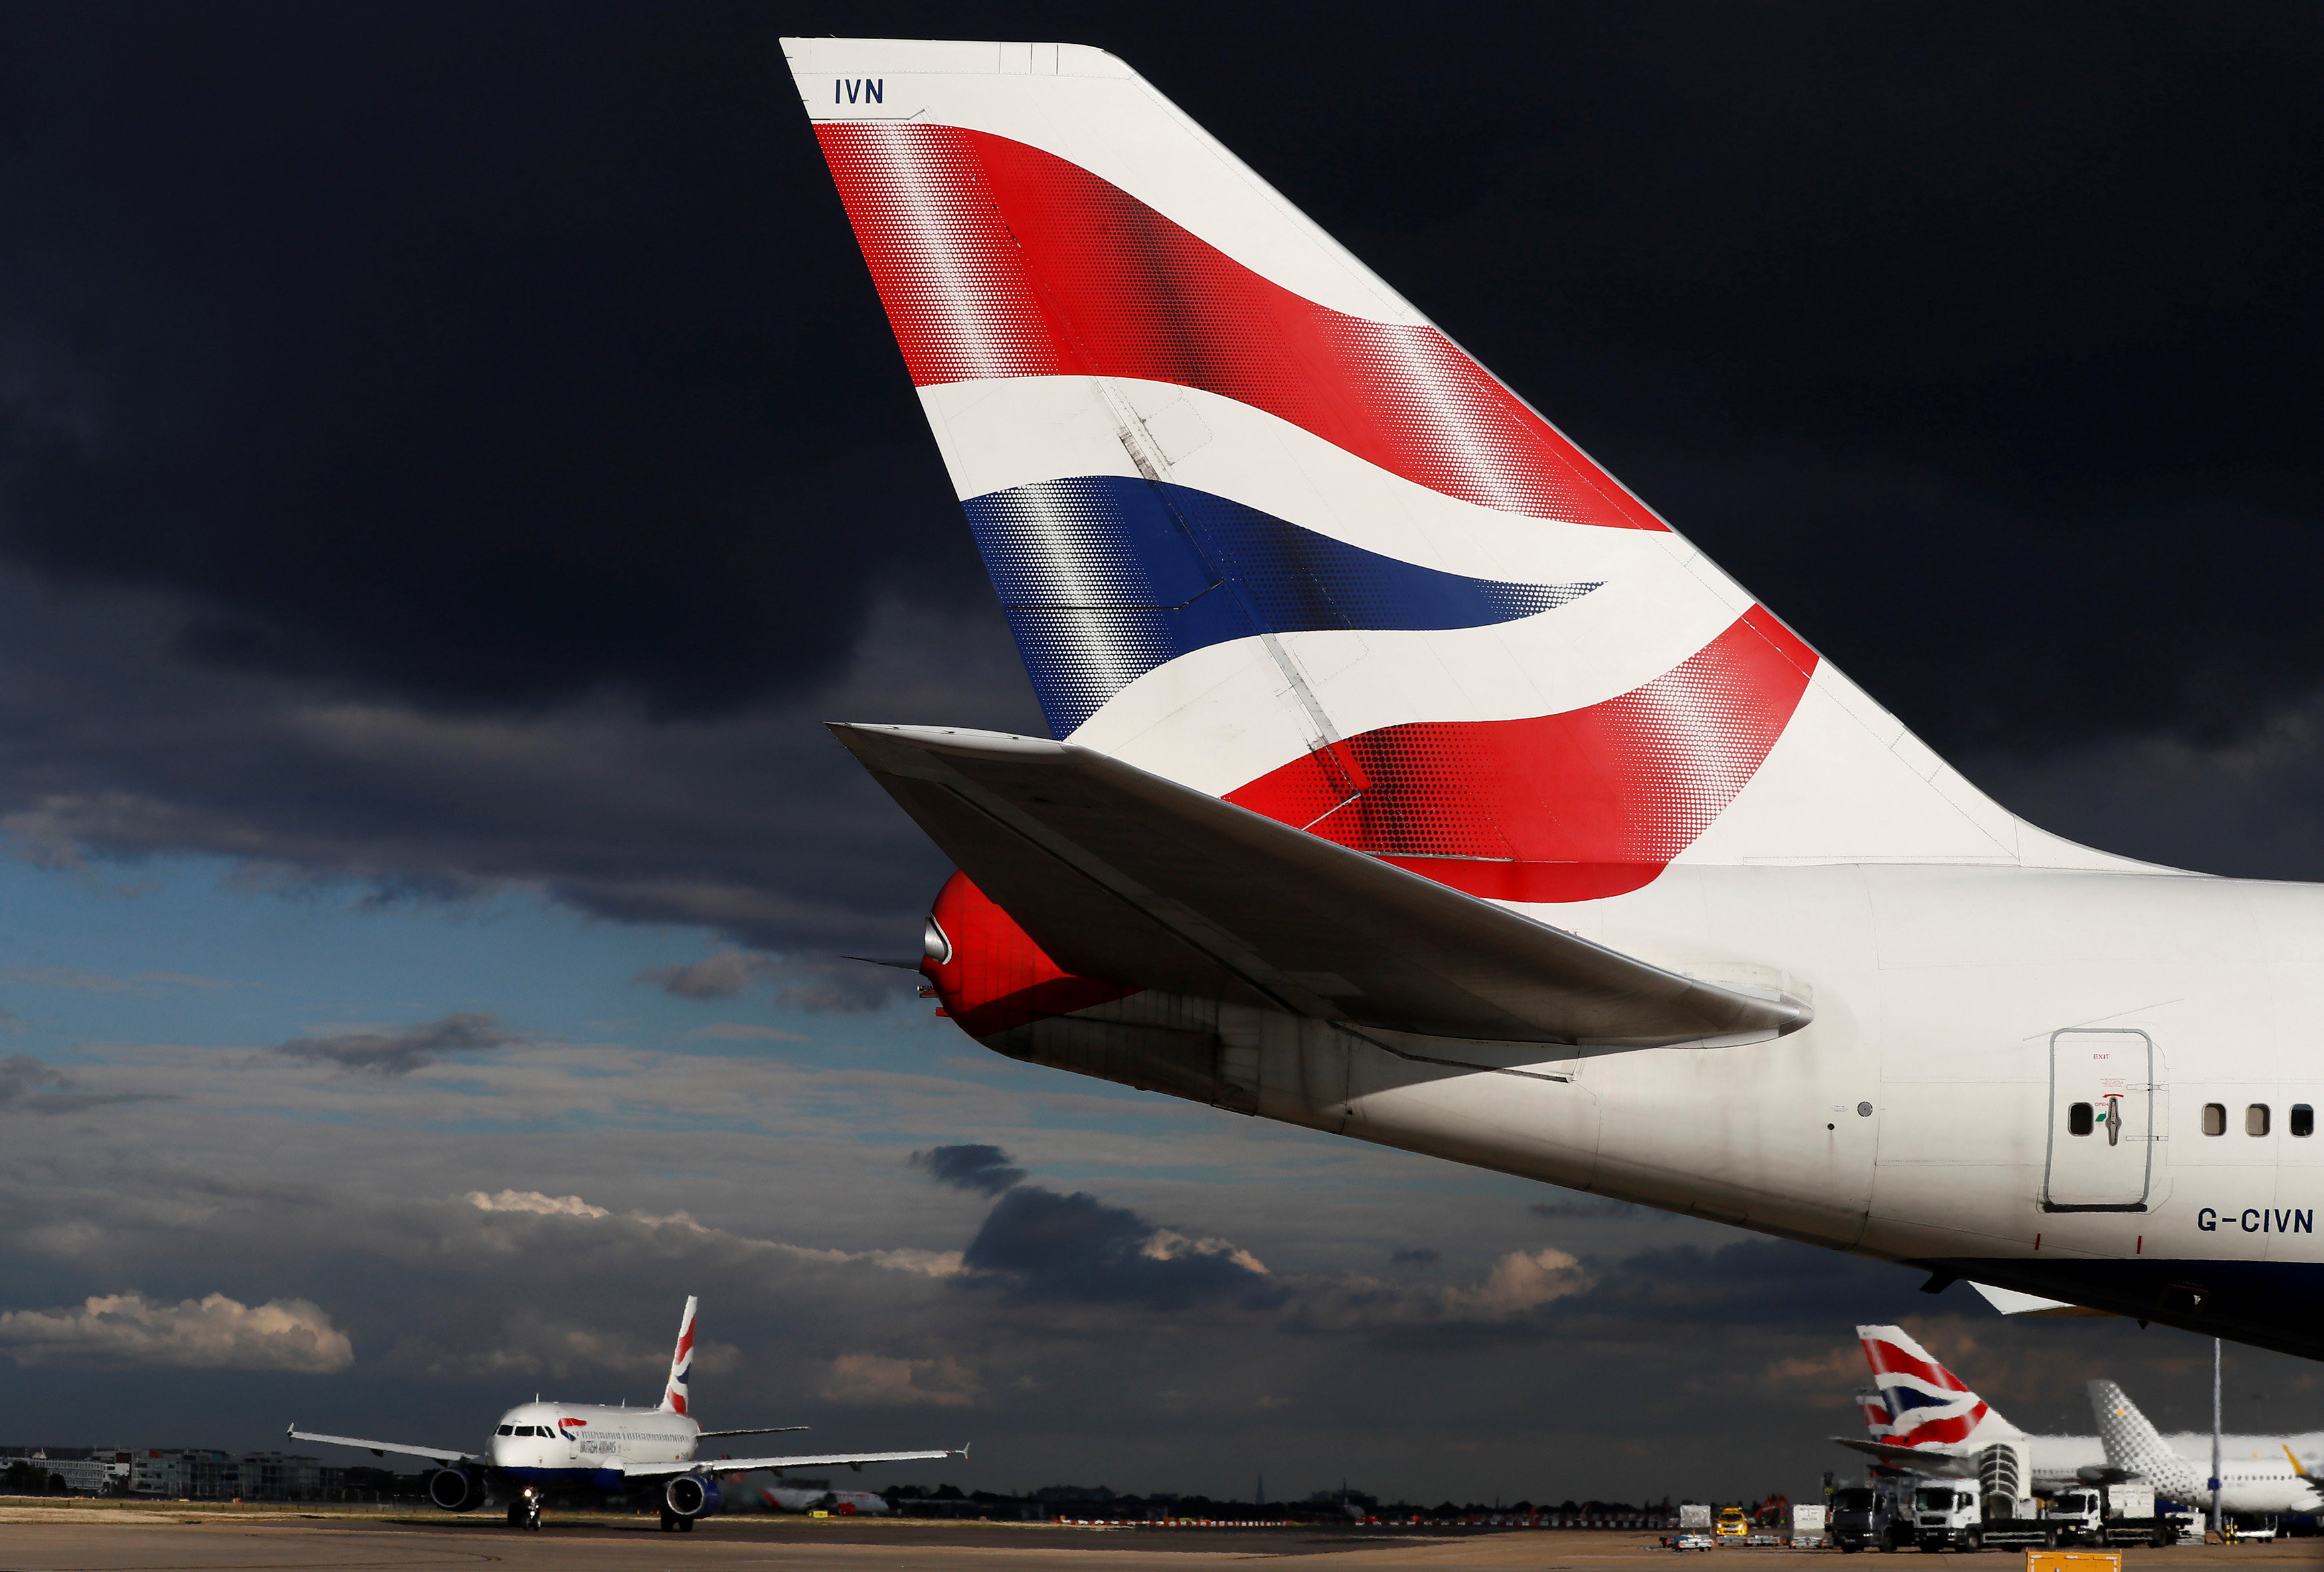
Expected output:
(1410, 779)
(540, 1446)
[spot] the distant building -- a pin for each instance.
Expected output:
(186, 1474)
(288, 1476)
(86, 1471)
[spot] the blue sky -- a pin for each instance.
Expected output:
(459, 1231)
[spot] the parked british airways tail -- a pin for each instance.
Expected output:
(540, 1446)
(1924, 1420)
(1413, 780)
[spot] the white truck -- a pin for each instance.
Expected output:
(1950, 1517)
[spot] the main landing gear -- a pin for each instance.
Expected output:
(670, 1519)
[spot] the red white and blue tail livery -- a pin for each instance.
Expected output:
(681, 1363)
(1410, 778)
(1928, 1405)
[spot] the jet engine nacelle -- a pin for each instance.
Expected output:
(692, 1496)
(456, 1489)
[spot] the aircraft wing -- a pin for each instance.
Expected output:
(381, 1449)
(755, 1430)
(1919, 1459)
(821, 1459)
(1123, 875)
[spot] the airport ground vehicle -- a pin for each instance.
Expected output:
(1734, 1523)
(1954, 1517)
(1873, 1517)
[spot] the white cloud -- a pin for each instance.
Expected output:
(875, 1379)
(1162, 1245)
(928, 1262)
(1519, 1282)
(215, 1333)
(534, 1201)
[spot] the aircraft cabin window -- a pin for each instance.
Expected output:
(2215, 1118)
(2078, 1119)
(2303, 1119)
(2255, 1119)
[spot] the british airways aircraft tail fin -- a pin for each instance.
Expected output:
(681, 1362)
(1930, 1409)
(1261, 527)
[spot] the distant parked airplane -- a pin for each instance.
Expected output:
(2256, 1475)
(1925, 1418)
(1410, 779)
(541, 1445)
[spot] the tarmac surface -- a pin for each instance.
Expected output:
(96, 1539)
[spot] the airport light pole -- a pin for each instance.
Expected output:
(2214, 1435)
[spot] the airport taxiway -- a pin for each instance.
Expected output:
(36, 1539)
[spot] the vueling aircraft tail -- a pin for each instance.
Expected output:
(2134, 1445)
(1261, 529)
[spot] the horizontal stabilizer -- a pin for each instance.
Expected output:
(1123, 875)
(1919, 1459)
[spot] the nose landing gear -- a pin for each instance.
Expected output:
(524, 1511)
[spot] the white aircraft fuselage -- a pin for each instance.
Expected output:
(2255, 1475)
(1916, 1118)
(572, 1445)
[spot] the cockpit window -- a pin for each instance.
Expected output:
(508, 1429)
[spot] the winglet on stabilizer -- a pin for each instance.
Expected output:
(1123, 875)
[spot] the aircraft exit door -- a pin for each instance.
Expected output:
(2101, 1156)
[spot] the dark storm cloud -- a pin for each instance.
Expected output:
(1048, 1247)
(1597, 1208)
(455, 353)
(29, 1086)
(1753, 1282)
(443, 448)
(986, 1169)
(399, 1051)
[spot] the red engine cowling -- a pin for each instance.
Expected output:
(990, 974)
(1006, 992)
